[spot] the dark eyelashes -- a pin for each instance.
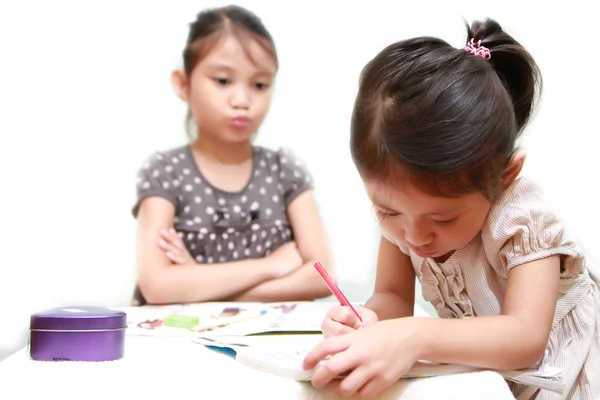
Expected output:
(446, 223)
(383, 215)
(225, 82)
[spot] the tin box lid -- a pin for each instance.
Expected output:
(80, 318)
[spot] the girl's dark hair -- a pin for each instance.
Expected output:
(445, 119)
(214, 23)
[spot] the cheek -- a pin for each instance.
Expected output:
(206, 91)
(479, 216)
(262, 102)
(206, 105)
(392, 231)
(466, 231)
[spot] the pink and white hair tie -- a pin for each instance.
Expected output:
(478, 50)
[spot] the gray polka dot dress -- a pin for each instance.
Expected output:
(219, 226)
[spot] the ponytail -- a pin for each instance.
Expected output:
(514, 65)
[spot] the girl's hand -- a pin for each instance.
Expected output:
(374, 357)
(340, 320)
(174, 248)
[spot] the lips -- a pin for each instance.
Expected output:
(240, 122)
(424, 254)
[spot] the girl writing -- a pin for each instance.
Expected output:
(221, 219)
(433, 138)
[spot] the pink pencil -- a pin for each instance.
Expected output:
(335, 289)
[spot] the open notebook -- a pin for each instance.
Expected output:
(222, 318)
(229, 318)
(286, 361)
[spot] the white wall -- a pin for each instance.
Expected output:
(85, 97)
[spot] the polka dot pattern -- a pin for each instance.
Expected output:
(218, 226)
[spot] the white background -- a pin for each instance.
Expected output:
(85, 97)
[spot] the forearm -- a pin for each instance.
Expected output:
(302, 284)
(498, 342)
(388, 305)
(203, 282)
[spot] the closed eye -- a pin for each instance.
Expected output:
(382, 214)
(447, 222)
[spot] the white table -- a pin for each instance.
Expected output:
(172, 368)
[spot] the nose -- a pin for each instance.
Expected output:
(417, 234)
(240, 98)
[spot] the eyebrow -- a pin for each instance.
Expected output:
(449, 211)
(455, 210)
(220, 66)
(377, 204)
(229, 68)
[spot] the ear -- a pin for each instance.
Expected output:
(514, 168)
(180, 83)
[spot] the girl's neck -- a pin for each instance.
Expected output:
(221, 152)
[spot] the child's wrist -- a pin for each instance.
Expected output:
(424, 335)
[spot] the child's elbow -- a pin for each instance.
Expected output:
(536, 353)
(529, 355)
(152, 290)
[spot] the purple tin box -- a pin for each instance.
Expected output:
(77, 334)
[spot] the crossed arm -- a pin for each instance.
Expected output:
(162, 282)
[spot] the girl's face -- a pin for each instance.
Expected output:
(430, 226)
(229, 91)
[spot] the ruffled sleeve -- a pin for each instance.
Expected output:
(520, 228)
(156, 177)
(294, 176)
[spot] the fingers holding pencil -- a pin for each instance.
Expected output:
(340, 320)
(344, 318)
